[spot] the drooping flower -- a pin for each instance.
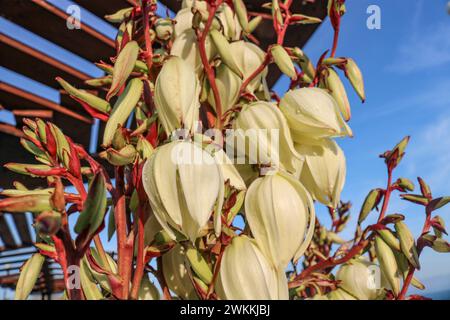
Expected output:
(185, 186)
(246, 274)
(177, 96)
(323, 171)
(262, 136)
(313, 113)
(360, 278)
(279, 209)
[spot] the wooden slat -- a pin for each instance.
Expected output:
(22, 228)
(16, 98)
(50, 23)
(36, 65)
(5, 233)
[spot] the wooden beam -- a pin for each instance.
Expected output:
(49, 22)
(41, 101)
(39, 66)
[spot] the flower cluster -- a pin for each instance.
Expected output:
(179, 186)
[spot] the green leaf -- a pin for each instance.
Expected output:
(439, 202)
(94, 207)
(90, 289)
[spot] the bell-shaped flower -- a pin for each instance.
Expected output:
(175, 273)
(361, 278)
(262, 137)
(313, 113)
(185, 47)
(281, 216)
(185, 186)
(323, 172)
(177, 92)
(249, 57)
(246, 274)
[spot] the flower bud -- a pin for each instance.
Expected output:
(241, 12)
(164, 29)
(313, 113)
(388, 264)
(279, 209)
(28, 276)
(356, 78)
(177, 96)
(121, 157)
(305, 63)
(246, 274)
(323, 172)
(389, 238)
(176, 274)
(337, 90)
(224, 49)
(283, 61)
(371, 201)
(407, 244)
(231, 27)
(264, 129)
(48, 222)
(358, 277)
(184, 185)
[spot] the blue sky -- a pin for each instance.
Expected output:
(405, 65)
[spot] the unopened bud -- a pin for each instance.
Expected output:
(356, 78)
(283, 61)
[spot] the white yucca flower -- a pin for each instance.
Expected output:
(313, 113)
(281, 216)
(184, 185)
(262, 135)
(361, 278)
(248, 58)
(246, 274)
(323, 171)
(176, 97)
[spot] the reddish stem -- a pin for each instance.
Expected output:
(140, 261)
(411, 270)
(148, 41)
(204, 57)
(123, 247)
(387, 196)
(335, 41)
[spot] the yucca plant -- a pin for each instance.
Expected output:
(210, 144)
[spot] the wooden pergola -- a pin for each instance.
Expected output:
(49, 22)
